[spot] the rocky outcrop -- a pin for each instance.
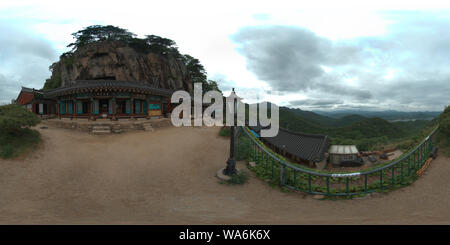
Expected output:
(117, 61)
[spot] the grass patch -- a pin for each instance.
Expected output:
(225, 132)
(239, 178)
(15, 144)
(270, 172)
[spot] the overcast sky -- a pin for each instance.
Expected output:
(320, 55)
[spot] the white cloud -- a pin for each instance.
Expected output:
(203, 29)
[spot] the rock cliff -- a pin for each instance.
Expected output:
(118, 61)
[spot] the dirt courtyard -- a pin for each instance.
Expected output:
(168, 177)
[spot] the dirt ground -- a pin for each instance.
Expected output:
(168, 177)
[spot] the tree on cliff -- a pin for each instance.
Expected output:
(162, 45)
(149, 44)
(98, 33)
(198, 74)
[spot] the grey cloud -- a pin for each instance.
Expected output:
(415, 48)
(15, 41)
(291, 58)
(226, 84)
(8, 89)
(24, 60)
(286, 57)
(316, 102)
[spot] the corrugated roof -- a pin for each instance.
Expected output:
(343, 149)
(311, 147)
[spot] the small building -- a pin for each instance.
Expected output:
(34, 100)
(340, 153)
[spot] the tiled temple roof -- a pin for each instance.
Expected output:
(27, 95)
(311, 147)
(81, 86)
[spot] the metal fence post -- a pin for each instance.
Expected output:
(328, 184)
(409, 165)
(393, 175)
(346, 185)
(381, 179)
(309, 183)
(282, 171)
(271, 160)
(401, 172)
(365, 183)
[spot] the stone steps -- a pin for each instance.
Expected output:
(101, 129)
(148, 127)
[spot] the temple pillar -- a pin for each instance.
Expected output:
(59, 109)
(74, 112)
(91, 109)
(114, 108)
(168, 107)
(132, 108)
(147, 100)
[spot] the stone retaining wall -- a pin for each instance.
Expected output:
(116, 126)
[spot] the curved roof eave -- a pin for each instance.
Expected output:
(107, 84)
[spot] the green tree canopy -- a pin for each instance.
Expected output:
(444, 122)
(211, 85)
(151, 43)
(198, 74)
(13, 117)
(97, 33)
(195, 68)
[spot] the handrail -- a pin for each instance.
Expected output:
(283, 161)
(405, 156)
(339, 175)
(387, 179)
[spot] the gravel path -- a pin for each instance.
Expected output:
(168, 177)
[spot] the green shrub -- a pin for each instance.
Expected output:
(239, 178)
(13, 117)
(13, 145)
(444, 127)
(53, 82)
(6, 151)
(225, 131)
(243, 148)
(15, 135)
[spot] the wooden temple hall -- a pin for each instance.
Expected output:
(308, 149)
(93, 99)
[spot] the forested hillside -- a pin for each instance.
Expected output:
(366, 133)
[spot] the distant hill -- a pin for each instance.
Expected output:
(365, 132)
(370, 128)
(326, 120)
(348, 120)
(311, 116)
(299, 121)
(389, 115)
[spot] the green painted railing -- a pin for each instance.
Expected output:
(400, 172)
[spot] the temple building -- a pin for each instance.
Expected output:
(36, 102)
(308, 149)
(93, 99)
